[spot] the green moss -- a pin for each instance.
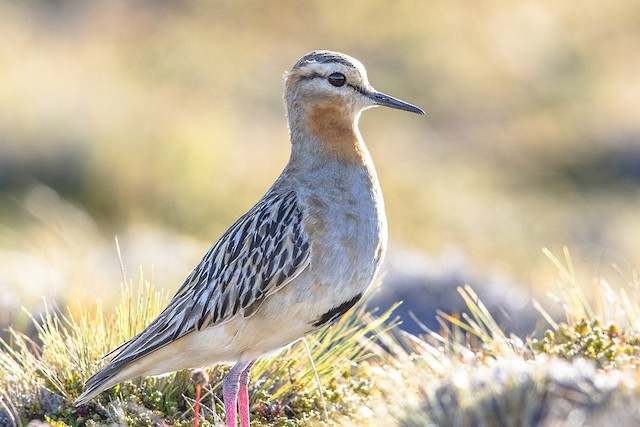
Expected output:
(607, 345)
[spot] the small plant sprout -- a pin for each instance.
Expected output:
(200, 378)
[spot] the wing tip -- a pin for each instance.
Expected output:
(88, 394)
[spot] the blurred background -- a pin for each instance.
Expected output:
(161, 122)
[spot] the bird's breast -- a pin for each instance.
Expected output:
(346, 224)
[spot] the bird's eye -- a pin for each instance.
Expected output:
(337, 79)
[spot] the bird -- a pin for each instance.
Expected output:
(299, 259)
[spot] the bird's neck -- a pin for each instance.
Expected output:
(327, 132)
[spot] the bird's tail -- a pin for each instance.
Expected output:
(127, 364)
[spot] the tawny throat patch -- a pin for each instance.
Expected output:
(329, 123)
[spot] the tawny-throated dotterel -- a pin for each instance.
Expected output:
(297, 260)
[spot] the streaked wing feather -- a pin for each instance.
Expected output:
(259, 254)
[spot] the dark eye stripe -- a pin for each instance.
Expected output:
(318, 75)
(309, 76)
(357, 89)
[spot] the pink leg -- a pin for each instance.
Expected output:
(243, 395)
(230, 387)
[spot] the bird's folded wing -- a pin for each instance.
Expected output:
(259, 254)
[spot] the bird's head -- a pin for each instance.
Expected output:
(325, 79)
